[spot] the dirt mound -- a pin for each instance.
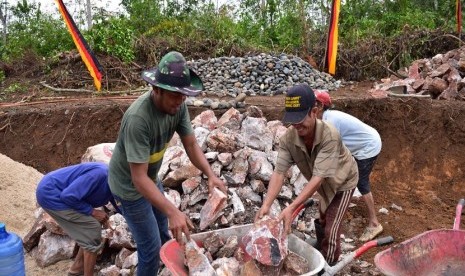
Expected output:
(17, 184)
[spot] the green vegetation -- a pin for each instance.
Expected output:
(13, 88)
(112, 36)
(150, 27)
(34, 31)
(364, 18)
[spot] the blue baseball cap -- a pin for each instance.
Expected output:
(298, 102)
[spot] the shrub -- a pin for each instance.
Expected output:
(113, 37)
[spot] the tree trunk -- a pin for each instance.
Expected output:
(88, 14)
(3, 13)
(305, 32)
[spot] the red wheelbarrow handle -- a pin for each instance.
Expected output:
(306, 204)
(333, 270)
(458, 213)
(378, 242)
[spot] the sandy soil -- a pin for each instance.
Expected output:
(17, 185)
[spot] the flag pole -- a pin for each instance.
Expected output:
(87, 56)
(332, 40)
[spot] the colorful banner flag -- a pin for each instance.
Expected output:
(86, 53)
(458, 15)
(331, 47)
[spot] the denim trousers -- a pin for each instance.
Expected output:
(149, 228)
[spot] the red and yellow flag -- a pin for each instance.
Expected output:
(458, 15)
(331, 47)
(86, 53)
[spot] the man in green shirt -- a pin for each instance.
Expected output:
(146, 129)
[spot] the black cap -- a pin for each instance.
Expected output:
(298, 102)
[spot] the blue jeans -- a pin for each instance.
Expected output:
(149, 228)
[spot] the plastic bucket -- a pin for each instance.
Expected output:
(11, 253)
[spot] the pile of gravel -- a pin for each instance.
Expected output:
(263, 75)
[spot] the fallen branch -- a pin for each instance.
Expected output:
(137, 65)
(124, 91)
(52, 98)
(346, 61)
(93, 92)
(394, 73)
(65, 89)
(449, 35)
(408, 95)
(388, 68)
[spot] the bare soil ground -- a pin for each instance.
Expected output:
(420, 168)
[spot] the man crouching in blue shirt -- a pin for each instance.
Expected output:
(69, 195)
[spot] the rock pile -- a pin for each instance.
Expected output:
(263, 74)
(242, 150)
(240, 147)
(441, 77)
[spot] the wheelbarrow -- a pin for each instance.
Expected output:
(435, 252)
(172, 254)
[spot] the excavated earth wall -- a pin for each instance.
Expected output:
(420, 168)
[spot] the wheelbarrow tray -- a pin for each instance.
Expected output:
(435, 252)
(173, 256)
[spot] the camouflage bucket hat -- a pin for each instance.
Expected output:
(173, 74)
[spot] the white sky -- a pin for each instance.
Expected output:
(77, 7)
(50, 6)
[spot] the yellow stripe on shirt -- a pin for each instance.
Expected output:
(157, 156)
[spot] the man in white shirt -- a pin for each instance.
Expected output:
(364, 143)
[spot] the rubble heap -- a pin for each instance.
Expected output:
(441, 77)
(241, 149)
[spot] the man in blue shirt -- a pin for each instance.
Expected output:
(70, 195)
